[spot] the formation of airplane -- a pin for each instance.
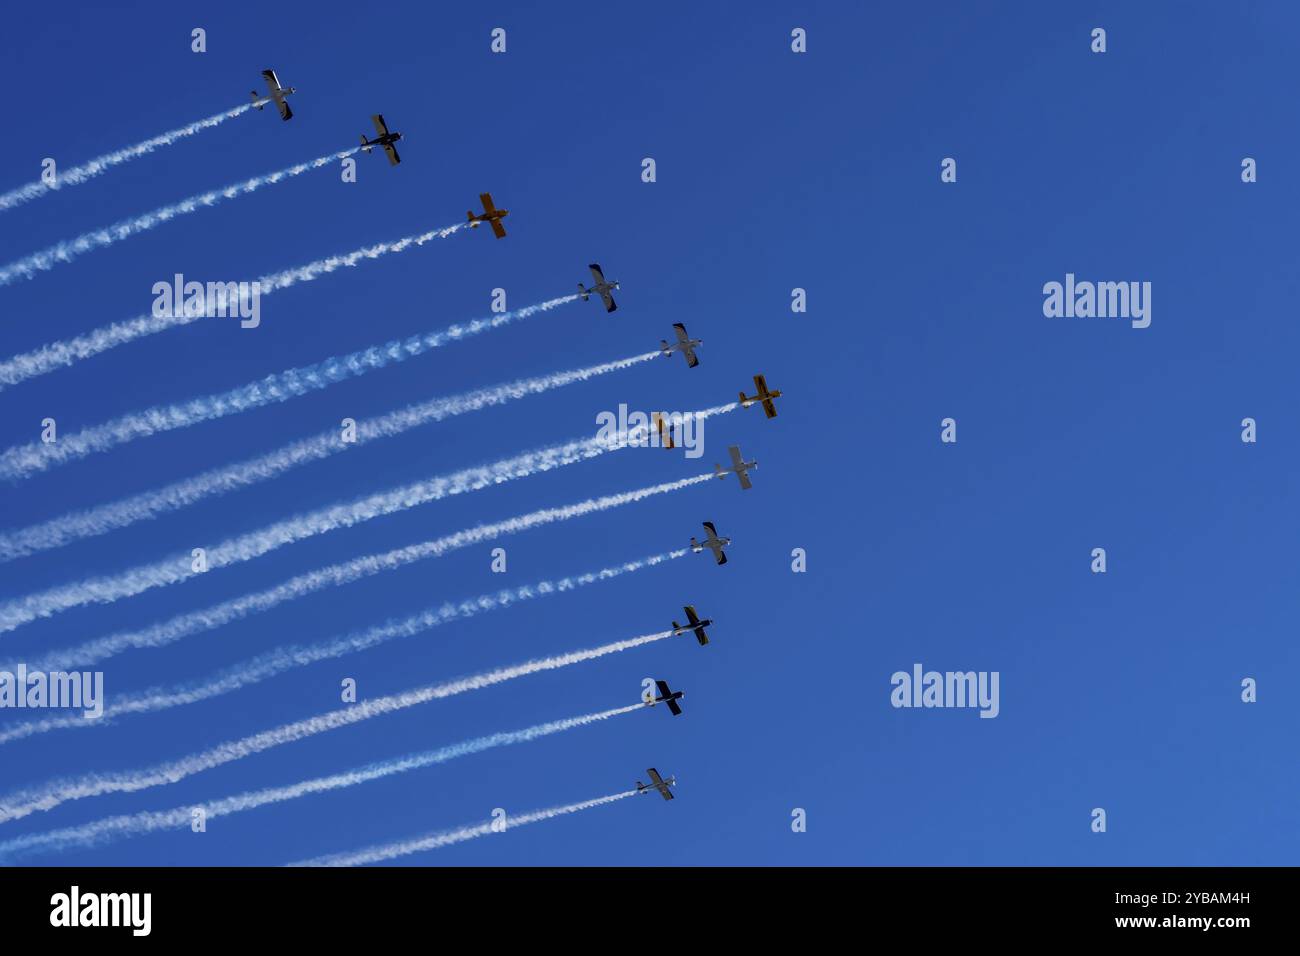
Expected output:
(385, 139)
(601, 288)
(657, 783)
(693, 623)
(762, 395)
(668, 697)
(275, 94)
(739, 467)
(712, 542)
(684, 344)
(491, 215)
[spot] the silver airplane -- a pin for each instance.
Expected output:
(666, 696)
(739, 467)
(684, 344)
(693, 624)
(601, 288)
(384, 139)
(657, 783)
(277, 94)
(712, 542)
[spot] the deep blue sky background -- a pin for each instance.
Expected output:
(775, 171)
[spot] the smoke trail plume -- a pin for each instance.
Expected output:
(124, 826)
(282, 659)
(432, 841)
(23, 461)
(22, 803)
(79, 174)
(57, 355)
(246, 547)
(70, 249)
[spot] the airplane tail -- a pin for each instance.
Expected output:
(582, 291)
(470, 218)
(365, 143)
(663, 346)
(695, 545)
(256, 105)
(743, 398)
(717, 469)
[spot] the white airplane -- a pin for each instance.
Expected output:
(739, 467)
(684, 344)
(657, 783)
(712, 542)
(277, 95)
(601, 288)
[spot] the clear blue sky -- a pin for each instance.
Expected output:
(774, 171)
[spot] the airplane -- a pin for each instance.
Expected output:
(712, 542)
(657, 783)
(601, 288)
(665, 429)
(277, 95)
(667, 696)
(492, 215)
(693, 624)
(763, 395)
(384, 139)
(739, 467)
(683, 344)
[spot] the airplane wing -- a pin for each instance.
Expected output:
(380, 126)
(713, 532)
(680, 331)
(610, 304)
(760, 384)
(719, 554)
(744, 480)
(692, 359)
(596, 274)
(691, 615)
(769, 407)
(393, 158)
(736, 461)
(674, 708)
(272, 81)
(664, 690)
(658, 783)
(486, 200)
(497, 229)
(283, 105)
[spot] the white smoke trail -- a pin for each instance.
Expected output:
(22, 803)
(124, 826)
(246, 547)
(70, 249)
(23, 461)
(104, 518)
(282, 659)
(56, 355)
(79, 174)
(433, 841)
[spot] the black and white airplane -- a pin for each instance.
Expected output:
(657, 783)
(684, 344)
(761, 394)
(712, 542)
(601, 288)
(384, 139)
(739, 467)
(668, 697)
(275, 94)
(693, 624)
